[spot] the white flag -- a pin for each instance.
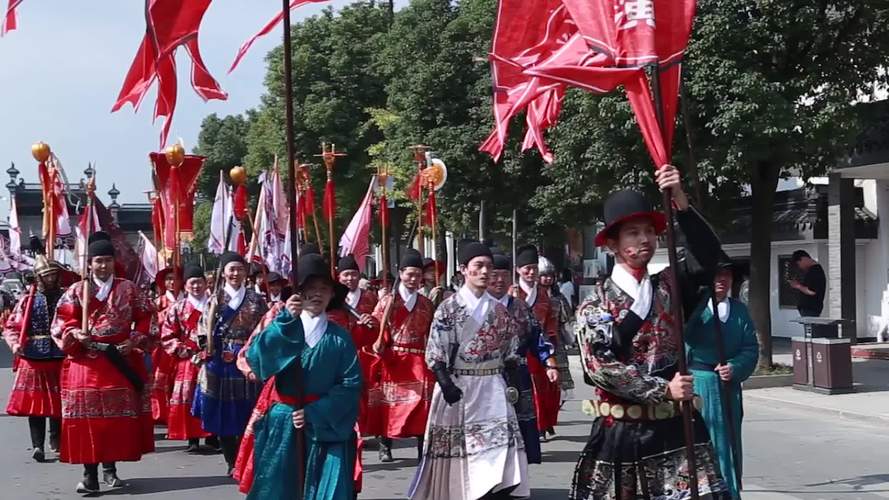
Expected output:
(219, 221)
(356, 239)
(15, 232)
(148, 257)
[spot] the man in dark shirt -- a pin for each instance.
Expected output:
(813, 285)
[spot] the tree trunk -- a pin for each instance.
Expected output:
(764, 181)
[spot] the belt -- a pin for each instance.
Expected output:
(294, 401)
(478, 372)
(704, 367)
(638, 413)
(409, 350)
(39, 336)
(233, 342)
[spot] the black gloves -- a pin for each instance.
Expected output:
(449, 390)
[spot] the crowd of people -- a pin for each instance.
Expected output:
(292, 379)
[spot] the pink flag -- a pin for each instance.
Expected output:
(356, 238)
(149, 259)
(274, 22)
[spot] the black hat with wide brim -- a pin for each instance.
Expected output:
(624, 206)
(314, 266)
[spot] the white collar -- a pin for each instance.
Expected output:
(104, 288)
(530, 292)
(640, 291)
(313, 327)
(409, 298)
(353, 297)
(725, 308)
(503, 300)
(236, 296)
(199, 303)
(478, 306)
(170, 296)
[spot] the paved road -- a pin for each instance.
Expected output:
(791, 454)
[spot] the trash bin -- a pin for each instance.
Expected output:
(831, 366)
(800, 347)
(822, 362)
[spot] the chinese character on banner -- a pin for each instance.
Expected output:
(629, 13)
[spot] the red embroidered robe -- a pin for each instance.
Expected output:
(547, 395)
(179, 338)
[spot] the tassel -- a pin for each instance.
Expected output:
(240, 204)
(384, 211)
(329, 206)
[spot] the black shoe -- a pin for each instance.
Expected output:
(230, 472)
(88, 487)
(386, 455)
(111, 479)
(38, 454)
(54, 444)
(194, 446)
(212, 442)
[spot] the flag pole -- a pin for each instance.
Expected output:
(686, 407)
(383, 178)
(725, 389)
(514, 231)
(291, 201)
(85, 269)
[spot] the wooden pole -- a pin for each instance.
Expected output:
(85, 261)
(514, 232)
(725, 390)
(433, 221)
(676, 306)
(294, 239)
(383, 178)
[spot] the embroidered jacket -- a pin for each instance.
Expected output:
(546, 314)
(39, 343)
(406, 329)
(631, 358)
(125, 314)
(529, 332)
(233, 326)
(179, 330)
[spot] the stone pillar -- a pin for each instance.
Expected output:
(841, 253)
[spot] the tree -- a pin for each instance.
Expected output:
(772, 86)
(223, 142)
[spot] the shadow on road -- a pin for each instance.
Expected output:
(5, 357)
(145, 486)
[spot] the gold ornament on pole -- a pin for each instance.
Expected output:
(41, 151)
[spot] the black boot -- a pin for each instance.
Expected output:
(194, 445)
(419, 448)
(90, 484)
(55, 434)
(37, 426)
(109, 475)
(385, 450)
(230, 446)
(212, 442)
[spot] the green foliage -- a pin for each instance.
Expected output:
(202, 213)
(223, 142)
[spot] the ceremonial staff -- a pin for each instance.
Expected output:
(420, 158)
(329, 157)
(294, 238)
(42, 153)
(382, 179)
(387, 312)
(84, 264)
(514, 231)
(686, 406)
(175, 156)
(434, 177)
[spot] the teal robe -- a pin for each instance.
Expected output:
(741, 352)
(331, 373)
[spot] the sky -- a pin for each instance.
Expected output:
(62, 69)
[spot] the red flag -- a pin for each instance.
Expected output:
(9, 23)
(521, 38)
(157, 221)
(356, 237)
(127, 263)
(275, 21)
(176, 193)
(329, 203)
(310, 201)
(169, 25)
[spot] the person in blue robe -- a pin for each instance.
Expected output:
(713, 380)
(313, 386)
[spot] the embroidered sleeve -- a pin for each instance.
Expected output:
(144, 317)
(380, 312)
(511, 351)
(594, 329)
(67, 322)
(442, 335)
(537, 341)
(13, 327)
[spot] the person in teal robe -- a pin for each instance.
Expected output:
(302, 339)
(741, 354)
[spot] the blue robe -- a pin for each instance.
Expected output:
(331, 374)
(741, 352)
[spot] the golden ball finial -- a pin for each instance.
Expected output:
(40, 151)
(238, 175)
(175, 154)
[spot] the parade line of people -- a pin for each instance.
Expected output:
(288, 380)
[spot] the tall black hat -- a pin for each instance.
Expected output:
(502, 262)
(193, 271)
(274, 277)
(526, 255)
(229, 257)
(625, 205)
(473, 249)
(411, 258)
(313, 265)
(347, 263)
